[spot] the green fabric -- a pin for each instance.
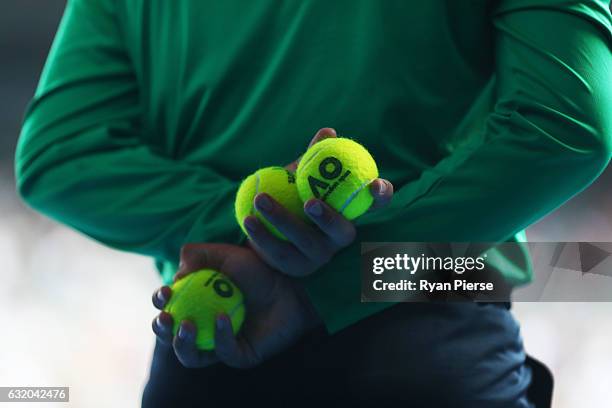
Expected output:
(485, 115)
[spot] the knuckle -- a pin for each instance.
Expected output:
(282, 258)
(187, 249)
(273, 217)
(346, 236)
(307, 242)
(192, 254)
(188, 363)
(329, 221)
(313, 247)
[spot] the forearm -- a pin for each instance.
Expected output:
(548, 138)
(84, 158)
(131, 199)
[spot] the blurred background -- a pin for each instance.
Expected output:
(58, 331)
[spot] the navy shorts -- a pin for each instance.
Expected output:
(412, 354)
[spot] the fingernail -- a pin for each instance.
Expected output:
(315, 209)
(250, 224)
(263, 203)
(160, 296)
(382, 187)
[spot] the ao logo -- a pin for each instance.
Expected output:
(221, 286)
(330, 169)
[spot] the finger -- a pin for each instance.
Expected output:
(337, 228)
(292, 167)
(306, 239)
(161, 296)
(279, 254)
(162, 327)
(382, 191)
(185, 346)
(323, 133)
(199, 256)
(227, 347)
(186, 350)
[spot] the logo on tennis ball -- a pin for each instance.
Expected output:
(200, 297)
(221, 286)
(290, 177)
(330, 170)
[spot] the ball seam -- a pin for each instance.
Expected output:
(257, 182)
(235, 308)
(351, 197)
(312, 156)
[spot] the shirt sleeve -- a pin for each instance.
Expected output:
(82, 158)
(547, 138)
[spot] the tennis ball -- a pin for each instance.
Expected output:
(279, 183)
(338, 171)
(199, 297)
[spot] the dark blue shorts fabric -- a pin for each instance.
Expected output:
(414, 355)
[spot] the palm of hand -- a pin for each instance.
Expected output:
(276, 315)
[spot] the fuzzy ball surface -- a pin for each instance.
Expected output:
(338, 171)
(199, 297)
(279, 183)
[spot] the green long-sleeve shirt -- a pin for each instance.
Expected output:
(485, 115)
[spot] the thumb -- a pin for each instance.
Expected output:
(382, 191)
(323, 133)
(196, 256)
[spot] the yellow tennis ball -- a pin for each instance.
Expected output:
(199, 297)
(279, 183)
(338, 171)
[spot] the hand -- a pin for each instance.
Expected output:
(309, 246)
(277, 310)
